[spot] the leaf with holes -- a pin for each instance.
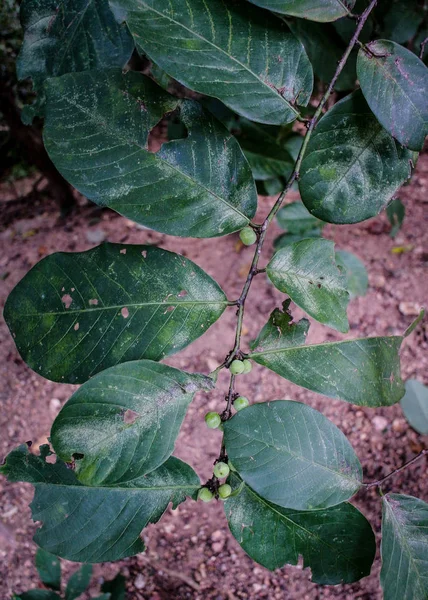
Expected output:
(75, 314)
(307, 272)
(352, 167)
(394, 82)
(123, 422)
(96, 524)
(200, 186)
(404, 548)
(336, 543)
(357, 279)
(415, 405)
(240, 54)
(365, 371)
(313, 10)
(292, 455)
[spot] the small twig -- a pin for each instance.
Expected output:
(423, 44)
(380, 482)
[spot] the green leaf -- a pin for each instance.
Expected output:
(49, 569)
(352, 166)
(123, 422)
(286, 239)
(314, 10)
(357, 279)
(307, 272)
(404, 548)
(395, 211)
(292, 455)
(75, 314)
(336, 543)
(240, 54)
(365, 371)
(78, 582)
(395, 82)
(325, 48)
(402, 21)
(38, 595)
(295, 218)
(97, 524)
(200, 186)
(62, 36)
(415, 405)
(115, 587)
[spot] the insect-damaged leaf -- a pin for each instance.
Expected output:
(364, 371)
(75, 314)
(96, 133)
(394, 82)
(353, 166)
(308, 273)
(292, 455)
(337, 543)
(404, 548)
(123, 422)
(96, 524)
(313, 10)
(240, 54)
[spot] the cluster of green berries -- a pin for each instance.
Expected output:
(240, 367)
(221, 471)
(248, 236)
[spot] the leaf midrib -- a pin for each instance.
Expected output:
(164, 16)
(115, 488)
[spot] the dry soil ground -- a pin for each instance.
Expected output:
(190, 552)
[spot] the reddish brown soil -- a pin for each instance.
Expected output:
(190, 552)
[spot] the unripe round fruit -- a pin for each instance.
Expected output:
(224, 491)
(247, 366)
(221, 469)
(248, 236)
(236, 367)
(240, 403)
(212, 420)
(205, 495)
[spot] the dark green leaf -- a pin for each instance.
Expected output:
(336, 543)
(395, 84)
(395, 211)
(357, 279)
(284, 240)
(352, 166)
(295, 218)
(123, 422)
(240, 54)
(200, 186)
(415, 405)
(325, 48)
(78, 582)
(62, 36)
(97, 524)
(38, 595)
(49, 569)
(402, 21)
(365, 371)
(314, 10)
(292, 455)
(270, 187)
(75, 314)
(307, 272)
(116, 587)
(404, 548)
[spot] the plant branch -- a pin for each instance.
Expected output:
(423, 44)
(262, 229)
(379, 482)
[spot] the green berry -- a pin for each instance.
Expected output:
(248, 236)
(247, 366)
(212, 420)
(236, 367)
(240, 403)
(205, 495)
(221, 469)
(224, 491)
